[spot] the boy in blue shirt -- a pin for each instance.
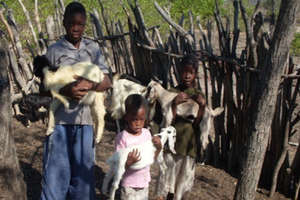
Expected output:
(69, 151)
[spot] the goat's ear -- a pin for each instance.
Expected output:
(171, 143)
(116, 77)
(39, 62)
(155, 78)
(216, 111)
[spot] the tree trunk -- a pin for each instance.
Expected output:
(11, 178)
(264, 102)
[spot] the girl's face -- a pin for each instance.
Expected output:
(135, 122)
(75, 26)
(188, 76)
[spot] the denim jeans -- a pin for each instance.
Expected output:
(68, 164)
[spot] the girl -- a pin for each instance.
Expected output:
(135, 182)
(179, 177)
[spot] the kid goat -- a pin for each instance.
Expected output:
(147, 150)
(188, 110)
(56, 78)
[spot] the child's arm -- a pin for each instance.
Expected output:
(98, 87)
(75, 90)
(201, 102)
(157, 143)
(180, 98)
(133, 157)
(80, 88)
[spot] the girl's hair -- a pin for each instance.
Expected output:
(189, 59)
(74, 8)
(134, 102)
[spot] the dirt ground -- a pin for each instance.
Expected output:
(210, 183)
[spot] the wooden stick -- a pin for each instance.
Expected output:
(7, 26)
(178, 28)
(37, 18)
(29, 23)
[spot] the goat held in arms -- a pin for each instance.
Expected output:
(55, 78)
(147, 151)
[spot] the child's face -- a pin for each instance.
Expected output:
(188, 75)
(75, 26)
(136, 122)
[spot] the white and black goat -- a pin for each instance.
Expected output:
(55, 78)
(34, 107)
(147, 151)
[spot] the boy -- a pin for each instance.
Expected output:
(69, 151)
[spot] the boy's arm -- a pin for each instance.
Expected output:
(80, 88)
(104, 85)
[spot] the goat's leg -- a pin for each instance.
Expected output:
(61, 98)
(51, 122)
(107, 178)
(118, 126)
(116, 182)
(98, 113)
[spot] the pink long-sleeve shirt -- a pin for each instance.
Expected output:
(134, 178)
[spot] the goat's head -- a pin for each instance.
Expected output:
(39, 63)
(168, 134)
(152, 94)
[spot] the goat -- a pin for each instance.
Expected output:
(56, 78)
(188, 110)
(34, 107)
(122, 88)
(147, 150)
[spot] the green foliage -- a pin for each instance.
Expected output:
(295, 46)
(202, 8)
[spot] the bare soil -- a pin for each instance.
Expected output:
(210, 183)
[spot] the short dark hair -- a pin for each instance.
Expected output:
(189, 59)
(74, 8)
(134, 102)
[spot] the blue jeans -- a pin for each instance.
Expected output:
(68, 164)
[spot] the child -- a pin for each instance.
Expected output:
(135, 182)
(179, 177)
(68, 159)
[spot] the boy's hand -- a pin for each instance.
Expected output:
(133, 157)
(180, 98)
(156, 142)
(83, 83)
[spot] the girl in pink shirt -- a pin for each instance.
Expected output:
(135, 182)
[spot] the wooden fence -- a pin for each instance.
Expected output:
(227, 73)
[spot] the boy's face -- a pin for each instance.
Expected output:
(136, 122)
(188, 75)
(75, 25)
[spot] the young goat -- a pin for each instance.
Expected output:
(56, 78)
(147, 150)
(188, 110)
(122, 88)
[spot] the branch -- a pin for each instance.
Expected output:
(178, 28)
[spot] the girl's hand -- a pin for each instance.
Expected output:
(200, 100)
(156, 142)
(180, 98)
(133, 157)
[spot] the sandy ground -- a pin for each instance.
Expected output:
(210, 183)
